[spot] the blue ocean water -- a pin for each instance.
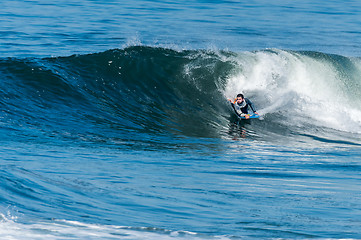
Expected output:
(114, 121)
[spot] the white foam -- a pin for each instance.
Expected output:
(62, 229)
(309, 89)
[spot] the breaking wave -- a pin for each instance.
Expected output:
(141, 93)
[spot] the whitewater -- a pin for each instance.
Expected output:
(115, 123)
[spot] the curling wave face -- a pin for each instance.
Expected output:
(141, 93)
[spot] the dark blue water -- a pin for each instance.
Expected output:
(114, 122)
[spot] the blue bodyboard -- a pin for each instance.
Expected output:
(251, 116)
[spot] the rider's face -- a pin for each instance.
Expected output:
(239, 100)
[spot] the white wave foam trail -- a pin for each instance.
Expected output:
(62, 229)
(324, 89)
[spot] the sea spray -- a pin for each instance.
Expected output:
(304, 86)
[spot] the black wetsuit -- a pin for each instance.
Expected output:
(242, 108)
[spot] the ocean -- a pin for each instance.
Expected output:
(115, 122)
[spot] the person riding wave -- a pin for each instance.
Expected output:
(241, 105)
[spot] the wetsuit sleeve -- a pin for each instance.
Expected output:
(250, 104)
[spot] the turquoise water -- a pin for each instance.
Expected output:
(114, 122)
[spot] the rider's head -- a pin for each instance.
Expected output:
(240, 97)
